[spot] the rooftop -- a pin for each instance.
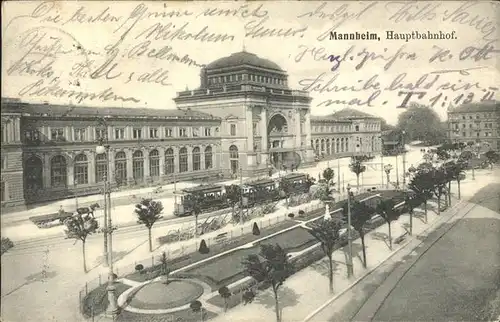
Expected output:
(243, 58)
(345, 114)
(493, 106)
(84, 111)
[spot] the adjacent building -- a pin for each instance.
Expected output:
(475, 122)
(241, 119)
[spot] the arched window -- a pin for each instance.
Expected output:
(58, 172)
(208, 157)
(338, 145)
(347, 145)
(196, 159)
(101, 167)
(154, 164)
(233, 152)
(169, 161)
(81, 169)
(183, 160)
(121, 167)
(328, 150)
(317, 146)
(33, 174)
(342, 145)
(323, 146)
(234, 159)
(138, 165)
(3, 191)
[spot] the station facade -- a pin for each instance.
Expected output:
(241, 118)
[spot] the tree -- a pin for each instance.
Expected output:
(197, 199)
(287, 187)
(327, 232)
(148, 212)
(411, 202)
(203, 249)
(328, 174)
(356, 166)
(440, 181)
(225, 293)
(386, 210)
(421, 123)
(79, 228)
(274, 269)
(422, 184)
(233, 195)
(255, 229)
(456, 171)
(360, 215)
(164, 271)
(493, 157)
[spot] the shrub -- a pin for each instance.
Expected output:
(115, 276)
(301, 212)
(139, 267)
(195, 306)
(255, 229)
(6, 245)
(203, 247)
(291, 215)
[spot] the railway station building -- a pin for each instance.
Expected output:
(241, 118)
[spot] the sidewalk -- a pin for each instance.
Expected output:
(295, 296)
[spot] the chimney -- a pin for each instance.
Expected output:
(203, 78)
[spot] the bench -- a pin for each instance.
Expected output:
(221, 238)
(400, 239)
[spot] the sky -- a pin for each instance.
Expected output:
(128, 46)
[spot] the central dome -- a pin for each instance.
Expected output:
(243, 58)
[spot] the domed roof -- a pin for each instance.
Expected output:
(243, 58)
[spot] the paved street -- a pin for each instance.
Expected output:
(454, 275)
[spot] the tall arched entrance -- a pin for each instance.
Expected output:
(277, 129)
(33, 175)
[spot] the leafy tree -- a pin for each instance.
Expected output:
(327, 233)
(422, 185)
(421, 123)
(356, 166)
(148, 212)
(79, 228)
(412, 201)
(360, 215)
(164, 271)
(440, 181)
(196, 202)
(225, 293)
(328, 174)
(255, 229)
(386, 210)
(493, 157)
(287, 187)
(274, 269)
(233, 195)
(455, 170)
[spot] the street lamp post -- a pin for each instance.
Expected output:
(112, 309)
(350, 270)
(397, 172)
(76, 196)
(382, 160)
(241, 196)
(404, 159)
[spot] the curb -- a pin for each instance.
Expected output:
(359, 279)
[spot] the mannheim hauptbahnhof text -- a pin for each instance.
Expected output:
(394, 35)
(241, 117)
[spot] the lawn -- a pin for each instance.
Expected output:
(214, 249)
(96, 301)
(157, 295)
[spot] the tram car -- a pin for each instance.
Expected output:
(204, 198)
(260, 191)
(300, 182)
(207, 198)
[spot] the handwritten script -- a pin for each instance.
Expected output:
(344, 54)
